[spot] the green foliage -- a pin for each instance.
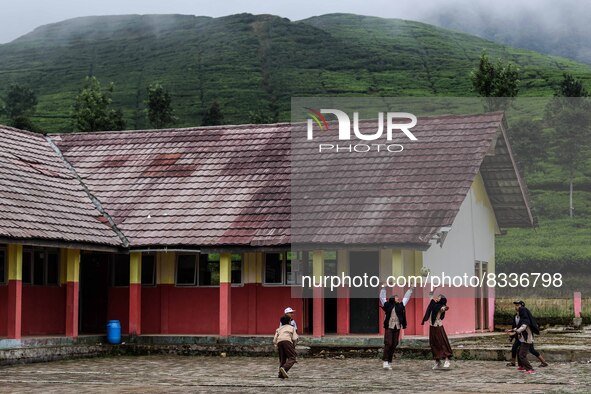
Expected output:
(19, 105)
(213, 115)
(92, 109)
(529, 143)
(159, 103)
(571, 87)
(496, 82)
(260, 117)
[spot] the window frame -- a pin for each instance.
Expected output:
(282, 269)
(198, 270)
(197, 276)
(241, 283)
(195, 272)
(154, 270)
(46, 251)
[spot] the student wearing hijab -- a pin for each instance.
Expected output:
(516, 342)
(525, 336)
(395, 320)
(438, 340)
(285, 340)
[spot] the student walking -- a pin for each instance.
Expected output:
(438, 340)
(395, 320)
(525, 336)
(285, 340)
(517, 343)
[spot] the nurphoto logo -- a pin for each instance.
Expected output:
(395, 121)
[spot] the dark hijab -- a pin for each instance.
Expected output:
(524, 316)
(285, 320)
(434, 308)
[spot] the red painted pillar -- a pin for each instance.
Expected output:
(135, 293)
(318, 294)
(15, 291)
(72, 291)
(577, 303)
(318, 309)
(343, 311)
(225, 294)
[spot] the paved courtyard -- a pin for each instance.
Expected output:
(157, 374)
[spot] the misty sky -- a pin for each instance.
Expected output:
(19, 17)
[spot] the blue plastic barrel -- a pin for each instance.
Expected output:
(114, 332)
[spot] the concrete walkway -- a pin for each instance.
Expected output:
(163, 374)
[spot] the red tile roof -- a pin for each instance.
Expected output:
(40, 198)
(232, 185)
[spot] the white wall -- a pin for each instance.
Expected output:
(471, 238)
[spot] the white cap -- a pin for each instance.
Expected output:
(288, 310)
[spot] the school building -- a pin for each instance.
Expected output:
(188, 231)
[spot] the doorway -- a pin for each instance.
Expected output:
(364, 309)
(94, 292)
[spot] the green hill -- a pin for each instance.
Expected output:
(249, 63)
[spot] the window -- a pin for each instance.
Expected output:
(148, 269)
(209, 269)
(274, 268)
(27, 272)
(204, 269)
(236, 276)
(3, 265)
(288, 268)
(52, 269)
(41, 267)
(121, 269)
(186, 270)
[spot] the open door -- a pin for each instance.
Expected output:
(94, 293)
(364, 311)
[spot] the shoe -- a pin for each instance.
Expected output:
(283, 373)
(446, 364)
(544, 364)
(387, 365)
(521, 368)
(510, 364)
(437, 365)
(530, 372)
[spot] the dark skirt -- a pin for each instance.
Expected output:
(439, 343)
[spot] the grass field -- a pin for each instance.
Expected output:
(546, 310)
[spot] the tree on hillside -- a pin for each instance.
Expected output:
(213, 116)
(570, 87)
(569, 114)
(92, 109)
(260, 117)
(160, 111)
(19, 105)
(497, 83)
(527, 138)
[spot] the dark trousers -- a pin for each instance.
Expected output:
(515, 348)
(522, 356)
(287, 354)
(391, 337)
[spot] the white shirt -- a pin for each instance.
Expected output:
(405, 299)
